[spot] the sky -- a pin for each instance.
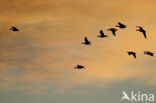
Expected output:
(37, 63)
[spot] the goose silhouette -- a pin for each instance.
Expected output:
(86, 41)
(140, 29)
(113, 30)
(14, 29)
(149, 53)
(102, 35)
(79, 67)
(120, 25)
(132, 53)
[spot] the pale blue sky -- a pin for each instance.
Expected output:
(112, 94)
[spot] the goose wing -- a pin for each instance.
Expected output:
(114, 32)
(86, 40)
(101, 33)
(120, 24)
(134, 55)
(144, 33)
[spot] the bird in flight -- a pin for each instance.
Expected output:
(149, 53)
(120, 25)
(113, 30)
(102, 35)
(132, 53)
(141, 30)
(79, 67)
(14, 29)
(86, 42)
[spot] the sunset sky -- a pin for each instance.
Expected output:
(37, 63)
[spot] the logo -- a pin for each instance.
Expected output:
(134, 97)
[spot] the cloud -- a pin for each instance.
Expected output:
(42, 55)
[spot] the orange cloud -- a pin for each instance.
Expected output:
(42, 55)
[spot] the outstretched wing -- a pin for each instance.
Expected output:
(86, 40)
(80, 67)
(149, 53)
(101, 33)
(114, 32)
(139, 28)
(15, 29)
(134, 55)
(144, 33)
(120, 23)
